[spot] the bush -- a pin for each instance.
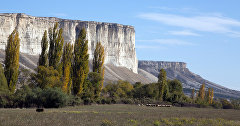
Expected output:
(74, 100)
(6, 99)
(53, 98)
(46, 77)
(127, 101)
(48, 98)
(3, 80)
(226, 104)
(23, 97)
(156, 123)
(201, 103)
(107, 123)
(216, 105)
(236, 104)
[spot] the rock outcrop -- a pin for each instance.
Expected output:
(179, 70)
(118, 40)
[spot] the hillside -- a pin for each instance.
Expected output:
(179, 70)
(112, 73)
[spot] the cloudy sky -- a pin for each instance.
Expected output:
(205, 33)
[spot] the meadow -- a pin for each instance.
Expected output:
(120, 115)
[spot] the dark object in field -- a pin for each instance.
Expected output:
(39, 110)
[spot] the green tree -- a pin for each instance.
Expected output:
(3, 80)
(111, 89)
(80, 63)
(176, 91)
(193, 93)
(166, 93)
(126, 87)
(47, 77)
(67, 64)
(56, 46)
(95, 80)
(208, 96)
(98, 61)
(43, 58)
(175, 86)
(162, 82)
(12, 60)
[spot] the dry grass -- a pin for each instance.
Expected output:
(96, 115)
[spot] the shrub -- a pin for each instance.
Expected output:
(156, 123)
(226, 104)
(236, 103)
(216, 105)
(48, 98)
(23, 97)
(3, 80)
(46, 77)
(107, 123)
(74, 100)
(201, 103)
(53, 98)
(6, 99)
(127, 101)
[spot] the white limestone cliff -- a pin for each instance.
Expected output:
(118, 40)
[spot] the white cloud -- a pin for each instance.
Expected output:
(149, 47)
(173, 9)
(167, 41)
(184, 33)
(215, 24)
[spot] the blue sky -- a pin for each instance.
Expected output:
(205, 33)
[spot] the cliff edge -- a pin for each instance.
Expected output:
(118, 40)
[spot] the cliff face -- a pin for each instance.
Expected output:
(179, 70)
(118, 40)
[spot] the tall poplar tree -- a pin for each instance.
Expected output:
(12, 60)
(43, 58)
(208, 96)
(202, 92)
(56, 41)
(80, 63)
(67, 64)
(162, 82)
(3, 80)
(211, 96)
(98, 61)
(193, 93)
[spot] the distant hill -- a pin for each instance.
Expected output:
(179, 70)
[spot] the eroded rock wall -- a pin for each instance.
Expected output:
(118, 40)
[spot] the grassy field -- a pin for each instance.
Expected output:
(121, 115)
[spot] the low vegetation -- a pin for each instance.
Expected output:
(121, 115)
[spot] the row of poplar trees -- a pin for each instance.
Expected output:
(203, 95)
(164, 90)
(71, 62)
(65, 66)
